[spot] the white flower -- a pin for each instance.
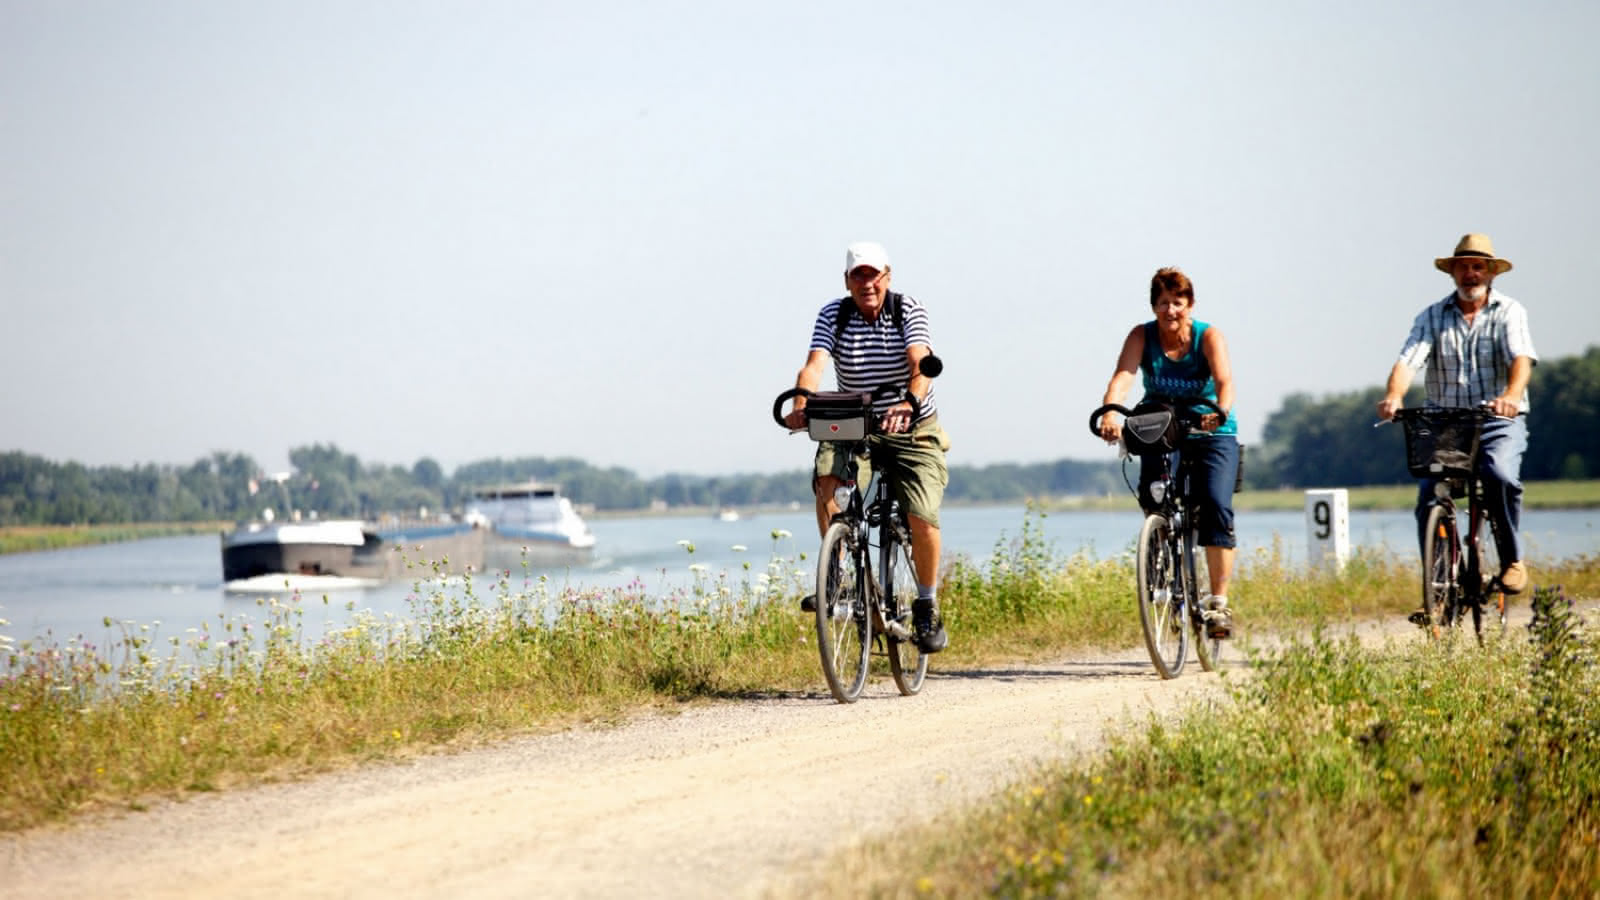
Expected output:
(684, 542)
(739, 548)
(698, 567)
(780, 533)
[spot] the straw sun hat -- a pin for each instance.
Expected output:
(1473, 246)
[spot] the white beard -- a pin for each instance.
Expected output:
(1475, 294)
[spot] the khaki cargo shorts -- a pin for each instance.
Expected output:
(916, 460)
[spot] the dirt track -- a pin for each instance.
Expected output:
(729, 799)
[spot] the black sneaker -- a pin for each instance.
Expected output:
(927, 630)
(808, 603)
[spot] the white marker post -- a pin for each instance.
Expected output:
(1328, 527)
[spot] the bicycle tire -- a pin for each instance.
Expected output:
(1166, 635)
(1490, 601)
(1439, 569)
(907, 663)
(1197, 578)
(844, 640)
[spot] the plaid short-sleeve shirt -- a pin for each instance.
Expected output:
(1468, 364)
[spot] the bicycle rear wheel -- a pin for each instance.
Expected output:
(1166, 635)
(1197, 578)
(907, 664)
(1492, 602)
(844, 640)
(1439, 586)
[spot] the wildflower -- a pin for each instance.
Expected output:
(698, 567)
(737, 548)
(780, 533)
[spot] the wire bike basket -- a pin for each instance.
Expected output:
(1443, 443)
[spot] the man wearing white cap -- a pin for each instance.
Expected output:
(876, 337)
(1477, 351)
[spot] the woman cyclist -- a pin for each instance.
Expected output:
(1181, 357)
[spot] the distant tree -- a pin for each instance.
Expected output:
(428, 474)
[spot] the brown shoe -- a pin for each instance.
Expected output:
(1514, 577)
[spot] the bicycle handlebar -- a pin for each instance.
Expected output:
(930, 366)
(1481, 413)
(1184, 413)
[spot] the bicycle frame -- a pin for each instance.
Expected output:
(1467, 587)
(1168, 575)
(1454, 582)
(857, 607)
(1187, 592)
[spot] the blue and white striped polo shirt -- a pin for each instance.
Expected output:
(1468, 365)
(872, 354)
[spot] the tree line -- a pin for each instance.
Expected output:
(1308, 442)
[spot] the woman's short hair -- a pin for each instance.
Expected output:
(1171, 280)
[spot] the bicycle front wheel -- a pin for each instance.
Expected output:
(1166, 635)
(1438, 569)
(844, 639)
(907, 663)
(1197, 578)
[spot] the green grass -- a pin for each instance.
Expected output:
(143, 714)
(1433, 770)
(27, 538)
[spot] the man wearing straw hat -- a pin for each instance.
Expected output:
(1477, 351)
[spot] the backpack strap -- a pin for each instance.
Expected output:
(847, 308)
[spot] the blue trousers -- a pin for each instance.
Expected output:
(1213, 463)
(1500, 468)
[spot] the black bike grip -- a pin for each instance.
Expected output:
(777, 405)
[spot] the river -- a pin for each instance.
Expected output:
(177, 582)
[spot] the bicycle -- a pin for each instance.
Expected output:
(1442, 444)
(1172, 580)
(855, 611)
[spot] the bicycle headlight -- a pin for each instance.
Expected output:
(1158, 491)
(841, 495)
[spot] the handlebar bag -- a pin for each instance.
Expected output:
(838, 415)
(1150, 430)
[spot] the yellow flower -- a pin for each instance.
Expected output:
(924, 885)
(396, 734)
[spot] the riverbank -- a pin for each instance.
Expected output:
(30, 538)
(1538, 495)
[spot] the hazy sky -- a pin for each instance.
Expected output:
(601, 229)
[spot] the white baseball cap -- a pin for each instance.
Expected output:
(866, 253)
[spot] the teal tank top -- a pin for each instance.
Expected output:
(1189, 376)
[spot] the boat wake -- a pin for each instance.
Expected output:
(303, 584)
